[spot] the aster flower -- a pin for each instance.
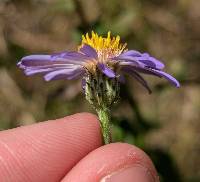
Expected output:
(101, 62)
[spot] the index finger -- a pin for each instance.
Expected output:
(48, 150)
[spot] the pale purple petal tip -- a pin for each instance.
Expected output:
(107, 71)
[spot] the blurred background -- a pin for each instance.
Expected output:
(165, 124)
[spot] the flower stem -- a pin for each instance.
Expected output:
(104, 117)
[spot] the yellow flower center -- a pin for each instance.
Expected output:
(106, 47)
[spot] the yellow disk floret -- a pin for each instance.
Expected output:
(105, 46)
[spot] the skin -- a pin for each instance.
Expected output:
(68, 149)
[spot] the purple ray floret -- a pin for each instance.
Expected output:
(106, 70)
(89, 51)
(74, 64)
(134, 62)
(65, 65)
(137, 57)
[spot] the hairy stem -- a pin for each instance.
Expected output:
(104, 117)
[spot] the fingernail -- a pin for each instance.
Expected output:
(136, 173)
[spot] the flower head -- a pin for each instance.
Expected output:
(101, 62)
(96, 56)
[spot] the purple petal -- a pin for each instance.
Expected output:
(153, 72)
(65, 65)
(30, 72)
(170, 78)
(145, 71)
(73, 55)
(135, 56)
(89, 51)
(63, 74)
(44, 60)
(147, 57)
(53, 74)
(34, 60)
(149, 62)
(107, 71)
(140, 68)
(54, 66)
(131, 53)
(35, 70)
(139, 78)
(131, 63)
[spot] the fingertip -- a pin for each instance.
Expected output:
(104, 162)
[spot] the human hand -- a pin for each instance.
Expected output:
(69, 150)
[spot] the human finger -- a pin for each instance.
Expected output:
(115, 162)
(48, 150)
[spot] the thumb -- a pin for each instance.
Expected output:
(115, 162)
